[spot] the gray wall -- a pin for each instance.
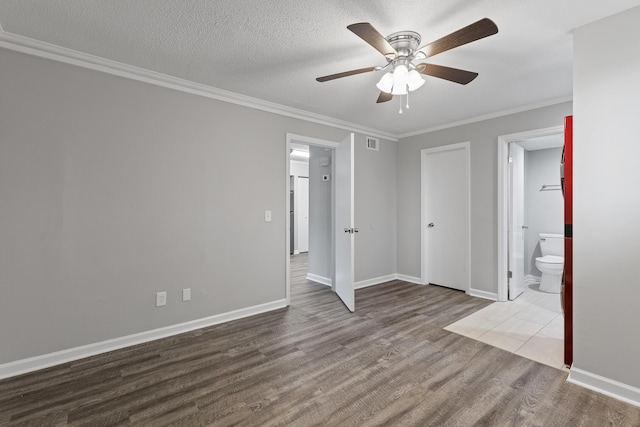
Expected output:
(606, 198)
(320, 247)
(483, 137)
(114, 189)
(543, 210)
(375, 209)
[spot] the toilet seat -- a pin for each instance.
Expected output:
(551, 259)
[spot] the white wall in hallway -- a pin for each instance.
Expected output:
(297, 169)
(320, 249)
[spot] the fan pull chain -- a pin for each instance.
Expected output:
(400, 112)
(407, 100)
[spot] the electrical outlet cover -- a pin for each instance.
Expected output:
(161, 299)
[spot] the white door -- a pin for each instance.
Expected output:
(446, 216)
(303, 214)
(516, 220)
(344, 222)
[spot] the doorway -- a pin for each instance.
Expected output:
(445, 217)
(504, 198)
(330, 184)
(531, 211)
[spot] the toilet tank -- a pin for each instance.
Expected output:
(552, 244)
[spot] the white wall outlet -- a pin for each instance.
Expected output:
(161, 299)
(186, 294)
(267, 216)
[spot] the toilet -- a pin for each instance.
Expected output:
(551, 262)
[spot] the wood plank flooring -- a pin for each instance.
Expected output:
(314, 363)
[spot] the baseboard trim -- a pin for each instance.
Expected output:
(410, 279)
(483, 294)
(319, 279)
(530, 280)
(375, 281)
(606, 386)
(35, 363)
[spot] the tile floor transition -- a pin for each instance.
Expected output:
(531, 326)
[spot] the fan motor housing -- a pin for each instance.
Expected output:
(404, 42)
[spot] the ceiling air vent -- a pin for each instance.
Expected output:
(372, 143)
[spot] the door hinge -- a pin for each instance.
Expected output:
(509, 274)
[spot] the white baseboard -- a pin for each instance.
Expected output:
(410, 279)
(483, 294)
(375, 281)
(319, 279)
(606, 386)
(530, 280)
(35, 363)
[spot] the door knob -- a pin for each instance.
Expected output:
(347, 230)
(431, 225)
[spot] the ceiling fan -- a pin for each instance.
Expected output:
(403, 57)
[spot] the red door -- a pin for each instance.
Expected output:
(567, 294)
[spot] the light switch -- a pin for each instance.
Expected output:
(267, 216)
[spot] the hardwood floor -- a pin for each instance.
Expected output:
(314, 363)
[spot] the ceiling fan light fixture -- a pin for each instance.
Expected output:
(400, 75)
(386, 83)
(414, 80)
(399, 89)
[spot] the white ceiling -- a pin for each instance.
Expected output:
(274, 50)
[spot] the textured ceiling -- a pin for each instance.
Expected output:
(274, 50)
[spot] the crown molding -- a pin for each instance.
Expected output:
(53, 52)
(489, 116)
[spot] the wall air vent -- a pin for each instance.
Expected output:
(372, 143)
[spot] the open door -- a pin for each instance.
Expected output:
(516, 220)
(344, 222)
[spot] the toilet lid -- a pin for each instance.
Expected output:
(551, 259)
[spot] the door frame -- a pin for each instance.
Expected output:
(514, 206)
(503, 190)
(424, 204)
(301, 139)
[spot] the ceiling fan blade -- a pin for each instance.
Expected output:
(476, 31)
(366, 32)
(447, 73)
(384, 97)
(345, 74)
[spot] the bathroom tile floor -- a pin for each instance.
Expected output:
(531, 326)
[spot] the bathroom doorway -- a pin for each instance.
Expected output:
(530, 203)
(531, 141)
(536, 209)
